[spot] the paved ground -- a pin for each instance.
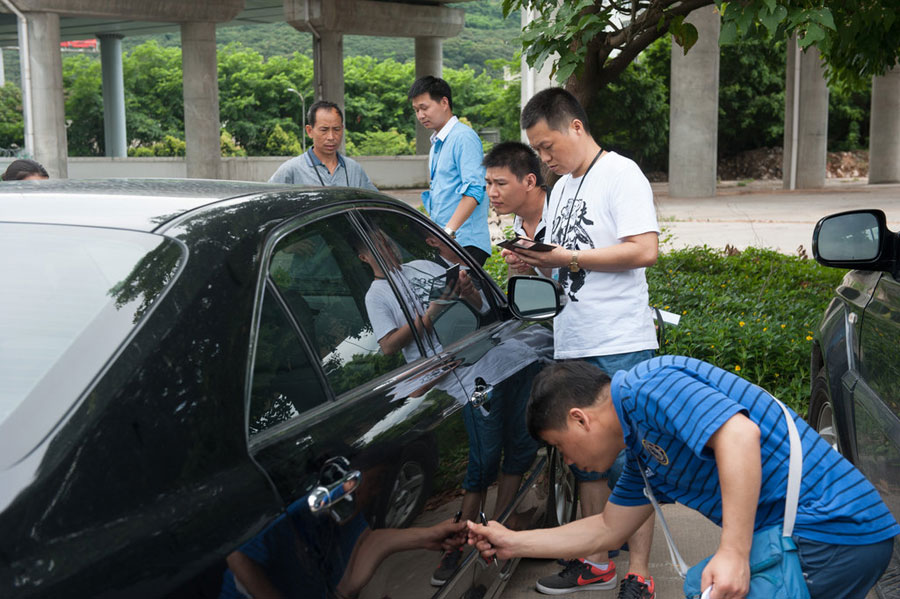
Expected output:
(757, 214)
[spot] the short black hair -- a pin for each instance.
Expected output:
(556, 106)
(517, 157)
(560, 387)
(19, 169)
(435, 87)
(322, 105)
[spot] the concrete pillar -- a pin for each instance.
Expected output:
(804, 162)
(694, 110)
(48, 104)
(115, 138)
(884, 128)
(533, 80)
(2, 70)
(201, 100)
(429, 61)
(328, 63)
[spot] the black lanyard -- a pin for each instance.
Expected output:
(319, 175)
(577, 191)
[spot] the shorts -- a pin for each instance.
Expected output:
(842, 571)
(502, 431)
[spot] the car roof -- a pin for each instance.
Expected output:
(140, 204)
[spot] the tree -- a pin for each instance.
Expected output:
(595, 40)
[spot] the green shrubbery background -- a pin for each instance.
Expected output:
(750, 312)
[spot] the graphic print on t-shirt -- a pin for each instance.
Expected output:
(569, 231)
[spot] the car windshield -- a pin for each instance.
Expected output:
(57, 281)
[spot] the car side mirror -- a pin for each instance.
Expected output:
(857, 239)
(535, 298)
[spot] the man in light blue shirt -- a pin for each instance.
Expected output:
(456, 198)
(323, 165)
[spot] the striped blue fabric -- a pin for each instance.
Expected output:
(670, 406)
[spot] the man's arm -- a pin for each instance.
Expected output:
(737, 450)
(464, 210)
(604, 531)
(635, 251)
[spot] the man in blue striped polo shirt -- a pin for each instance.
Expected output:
(716, 443)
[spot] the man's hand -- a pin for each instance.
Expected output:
(445, 536)
(728, 573)
(492, 540)
(515, 263)
(555, 258)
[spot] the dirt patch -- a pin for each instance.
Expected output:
(766, 164)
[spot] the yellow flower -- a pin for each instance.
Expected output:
(712, 346)
(784, 325)
(776, 375)
(683, 312)
(809, 338)
(742, 323)
(765, 329)
(665, 307)
(737, 367)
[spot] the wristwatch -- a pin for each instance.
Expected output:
(573, 263)
(450, 232)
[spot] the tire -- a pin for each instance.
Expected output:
(409, 488)
(821, 411)
(562, 500)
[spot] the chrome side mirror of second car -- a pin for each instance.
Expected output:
(856, 239)
(535, 298)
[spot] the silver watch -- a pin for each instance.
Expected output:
(450, 232)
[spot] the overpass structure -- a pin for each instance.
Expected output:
(38, 27)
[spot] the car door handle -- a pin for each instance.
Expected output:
(481, 394)
(323, 498)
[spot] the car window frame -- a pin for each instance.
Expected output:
(498, 304)
(275, 433)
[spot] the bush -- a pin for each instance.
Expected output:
(380, 143)
(751, 312)
(283, 143)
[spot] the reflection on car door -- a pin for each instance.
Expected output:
(330, 416)
(876, 397)
(461, 316)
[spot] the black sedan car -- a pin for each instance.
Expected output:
(213, 389)
(855, 393)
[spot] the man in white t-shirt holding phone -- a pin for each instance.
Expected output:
(602, 223)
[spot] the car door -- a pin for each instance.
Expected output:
(496, 357)
(330, 417)
(876, 397)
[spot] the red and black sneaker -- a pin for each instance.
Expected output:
(636, 587)
(578, 576)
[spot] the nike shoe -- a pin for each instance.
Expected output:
(636, 587)
(578, 576)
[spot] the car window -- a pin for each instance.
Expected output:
(319, 273)
(445, 295)
(285, 381)
(66, 289)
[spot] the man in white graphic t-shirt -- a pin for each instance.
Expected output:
(602, 221)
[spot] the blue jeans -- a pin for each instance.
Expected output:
(501, 432)
(610, 365)
(842, 571)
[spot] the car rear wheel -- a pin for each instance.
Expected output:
(821, 411)
(409, 489)
(562, 501)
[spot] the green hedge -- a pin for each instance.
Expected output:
(750, 312)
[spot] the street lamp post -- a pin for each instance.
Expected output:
(302, 118)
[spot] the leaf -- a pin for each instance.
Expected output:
(564, 72)
(770, 4)
(814, 33)
(773, 19)
(685, 35)
(728, 33)
(824, 17)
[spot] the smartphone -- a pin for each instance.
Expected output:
(452, 275)
(523, 243)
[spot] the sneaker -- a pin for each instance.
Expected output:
(449, 564)
(578, 576)
(612, 554)
(636, 587)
